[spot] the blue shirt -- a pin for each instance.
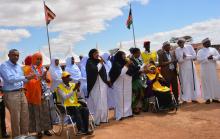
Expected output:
(12, 75)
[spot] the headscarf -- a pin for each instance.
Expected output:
(27, 60)
(27, 66)
(33, 87)
(82, 66)
(73, 69)
(107, 64)
(56, 74)
(117, 66)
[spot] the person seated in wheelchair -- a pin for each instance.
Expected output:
(157, 86)
(67, 92)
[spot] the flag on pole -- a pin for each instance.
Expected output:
(49, 15)
(129, 20)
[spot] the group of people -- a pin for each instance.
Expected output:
(119, 81)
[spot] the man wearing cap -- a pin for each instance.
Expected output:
(185, 55)
(207, 57)
(148, 56)
(68, 93)
(168, 62)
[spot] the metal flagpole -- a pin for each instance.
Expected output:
(133, 27)
(48, 38)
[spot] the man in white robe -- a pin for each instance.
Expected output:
(185, 55)
(207, 58)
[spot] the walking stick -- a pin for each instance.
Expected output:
(193, 76)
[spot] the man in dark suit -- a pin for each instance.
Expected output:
(168, 62)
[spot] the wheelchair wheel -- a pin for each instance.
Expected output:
(58, 127)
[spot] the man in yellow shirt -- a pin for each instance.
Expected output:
(148, 56)
(67, 92)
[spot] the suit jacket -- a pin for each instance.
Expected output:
(166, 72)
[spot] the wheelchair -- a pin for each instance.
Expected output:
(64, 120)
(155, 106)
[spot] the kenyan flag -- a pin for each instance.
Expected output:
(129, 20)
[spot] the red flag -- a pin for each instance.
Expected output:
(129, 20)
(49, 15)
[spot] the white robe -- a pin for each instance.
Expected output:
(187, 72)
(83, 81)
(56, 73)
(108, 65)
(97, 100)
(209, 77)
(122, 89)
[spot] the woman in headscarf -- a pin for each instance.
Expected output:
(121, 79)
(39, 115)
(97, 86)
(108, 66)
(137, 82)
(83, 81)
(73, 69)
(55, 73)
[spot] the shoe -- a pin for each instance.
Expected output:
(184, 102)
(47, 133)
(208, 101)
(5, 135)
(39, 134)
(89, 132)
(215, 101)
(195, 101)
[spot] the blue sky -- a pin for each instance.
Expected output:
(157, 16)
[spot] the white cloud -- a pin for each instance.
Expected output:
(10, 36)
(74, 18)
(199, 31)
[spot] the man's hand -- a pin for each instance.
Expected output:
(77, 86)
(210, 57)
(29, 77)
(184, 55)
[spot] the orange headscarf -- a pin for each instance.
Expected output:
(34, 90)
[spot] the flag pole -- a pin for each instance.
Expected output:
(48, 37)
(133, 27)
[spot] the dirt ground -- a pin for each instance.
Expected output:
(192, 121)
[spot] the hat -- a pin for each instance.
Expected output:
(65, 74)
(166, 43)
(205, 40)
(181, 39)
(146, 42)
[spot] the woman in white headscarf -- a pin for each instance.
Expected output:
(56, 73)
(83, 81)
(73, 69)
(108, 66)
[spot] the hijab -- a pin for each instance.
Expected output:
(107, 63)
(73, 69)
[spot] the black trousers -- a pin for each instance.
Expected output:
(164, 98)
(2, 118)
(81, 116)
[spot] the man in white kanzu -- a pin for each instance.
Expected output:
(185, 55)
(97, 86)
(207, 58)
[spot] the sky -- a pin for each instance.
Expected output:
(81, 25)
